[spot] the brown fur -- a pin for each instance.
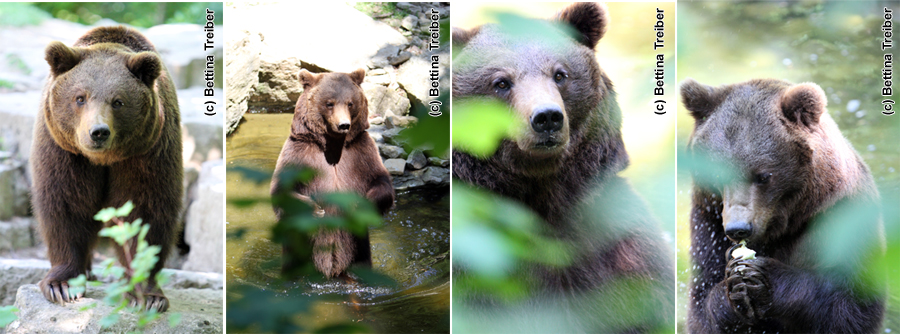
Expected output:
(793, 169)
(141, 161)
(571, 182)
(345, 160)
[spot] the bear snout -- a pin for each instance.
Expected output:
(547, 118)
(344, 126)
(99, 134)
(738, 230)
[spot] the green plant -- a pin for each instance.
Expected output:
(7, 315)
(129, 281)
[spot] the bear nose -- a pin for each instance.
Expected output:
(547, 119)
(344, 126)
(100, 132)
(738, 230)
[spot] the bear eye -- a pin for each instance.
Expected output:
(560, 76)
(329, 104)
(762, 178)
(349, 104)
(503, 84)
(117, 104)
(79, 100)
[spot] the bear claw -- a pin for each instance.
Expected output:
(58, 292)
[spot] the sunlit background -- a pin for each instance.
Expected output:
(833, 44)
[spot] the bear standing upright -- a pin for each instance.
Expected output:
(328, 134)
(795, 179)
(108, 132)
(563, 166)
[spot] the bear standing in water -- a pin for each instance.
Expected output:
(563, 166)
(108, 132)
(328, 133)
(795, 178)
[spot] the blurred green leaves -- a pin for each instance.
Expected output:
(493, 238)
(138, 14)
(479, 125)
(7, 315)
(20, 14)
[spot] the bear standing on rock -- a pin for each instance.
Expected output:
(108, 132)
(796, 182)
(328, 134)
(563, 166)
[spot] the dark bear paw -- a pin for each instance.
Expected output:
(57, 290)
(748, 289)
(154, 299)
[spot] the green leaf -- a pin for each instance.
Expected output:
(125, 210)
(109, 320)
(174, 319)
(105, 215)
(479, 125)
(7, 315)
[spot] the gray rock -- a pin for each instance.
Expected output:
(417, 159)
(205, 219)
(383, 79)
(279, 87)
(410, 22)
(392, 137)
(16, 234)
(411, 180)
(435, 161)
(436, 176)
(392, 152)
(14, 190)
(382, 99)
(15, 273)
(377, 120)
(395, 166)
(413, 75)
(399, 59)
(407, 6)
(242, 67)
(200, 312)
(381, 58)
(201, 141)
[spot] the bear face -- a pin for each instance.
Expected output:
(777, 139)
(102, 101)
(335, 104)
(550, 80)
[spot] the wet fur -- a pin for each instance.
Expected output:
(348, 162)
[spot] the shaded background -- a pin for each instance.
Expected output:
(833, 44)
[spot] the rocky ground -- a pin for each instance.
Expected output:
(23, 69)
(264, 59)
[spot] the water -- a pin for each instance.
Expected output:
(411, 247)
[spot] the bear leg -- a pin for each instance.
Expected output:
(67, 192)
(333, 251)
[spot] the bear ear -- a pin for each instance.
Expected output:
(145, 66)
(358, 76)
(804, 103)
(308, 79)
(701, 100)
(60, 57)
(589, 19)
(460, 37)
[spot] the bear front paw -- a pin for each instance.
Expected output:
(57, 291)
(154, 299)
(748, 289)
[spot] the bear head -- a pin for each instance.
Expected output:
(101, 101)
(783, 155)
(547, 73)
(332, 104)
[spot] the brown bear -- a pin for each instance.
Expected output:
(328, 134)
(563, 166)
(787, 175)
(108, 132)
